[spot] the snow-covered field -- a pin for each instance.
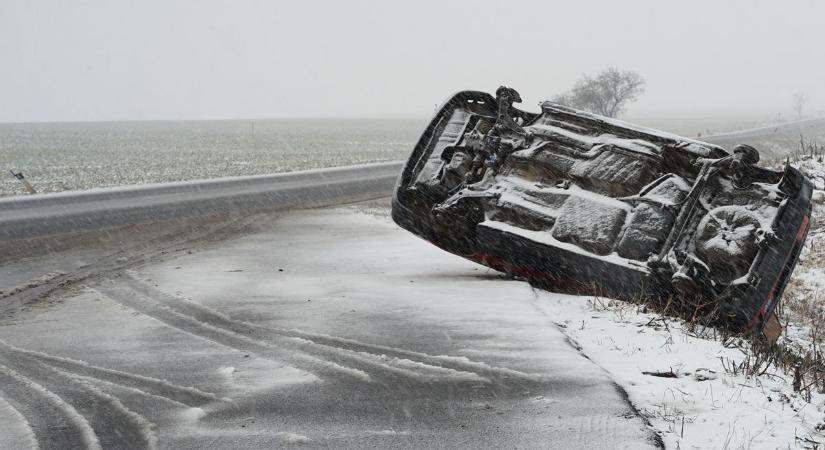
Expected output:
(58, 157)
(775, 143)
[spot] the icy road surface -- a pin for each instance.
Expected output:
(326, 328)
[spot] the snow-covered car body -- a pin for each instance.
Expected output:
(575, 201)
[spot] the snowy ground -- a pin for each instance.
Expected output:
(334, 328)
(69, 156)
(684, 384)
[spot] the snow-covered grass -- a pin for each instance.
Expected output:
(58, 157)
(777, 143)
(696, 388)
(802, 307)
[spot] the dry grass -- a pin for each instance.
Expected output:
(802, 313)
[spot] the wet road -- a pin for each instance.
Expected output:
(320, 329)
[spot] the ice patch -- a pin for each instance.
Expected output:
(227, 372)
(388, 433)
(293, 438)
(257, 374)
(192, 414)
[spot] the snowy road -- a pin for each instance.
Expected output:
(326, 328)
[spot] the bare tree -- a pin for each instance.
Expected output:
(607, 93)
(798, 103)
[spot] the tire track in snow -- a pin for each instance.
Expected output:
(101, 419)
(369, 357)
(458, 363)
(21, 437)
(324, 362)
(56, 424)
(132, 255)
(377, 365)
(186, 396)
(299, 351)
(137, 434)
(226, 338)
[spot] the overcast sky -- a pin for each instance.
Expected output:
(114, 60)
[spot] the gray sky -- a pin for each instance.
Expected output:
(114, 60)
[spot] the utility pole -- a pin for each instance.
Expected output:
(19, 176)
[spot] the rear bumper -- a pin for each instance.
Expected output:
(773, 267)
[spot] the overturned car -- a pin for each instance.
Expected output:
(577, 202)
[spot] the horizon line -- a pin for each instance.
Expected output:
(642, 113)
(242, 119)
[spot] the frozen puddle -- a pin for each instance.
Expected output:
(327, 328)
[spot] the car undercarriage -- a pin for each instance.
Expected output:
(578, 202)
